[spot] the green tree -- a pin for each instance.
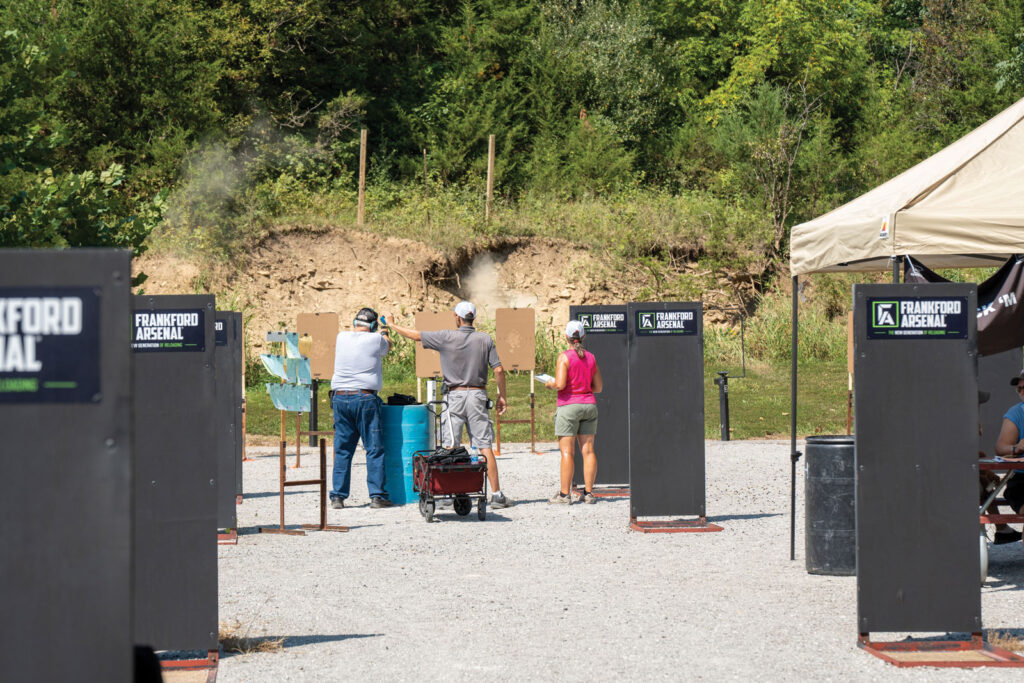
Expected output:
(44, 205)
(789, 42)
(1011, 70)
(472, 95)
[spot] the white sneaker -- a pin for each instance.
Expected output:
(500, 500)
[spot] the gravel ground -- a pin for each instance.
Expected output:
(544, 592)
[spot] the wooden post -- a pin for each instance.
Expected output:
(282, 472)
(426, 193)
(490, 177)
(362, 177)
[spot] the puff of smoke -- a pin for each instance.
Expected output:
(482, 286)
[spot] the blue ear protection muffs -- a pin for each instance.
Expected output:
(368, 317)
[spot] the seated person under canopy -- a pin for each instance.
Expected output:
(1010, 446)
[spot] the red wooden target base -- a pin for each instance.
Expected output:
(673, 526)
(190, 669)
(962, 654)
(607, 491)
(230, 537)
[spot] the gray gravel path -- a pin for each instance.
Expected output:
(544, 592)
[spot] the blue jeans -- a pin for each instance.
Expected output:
(357, 415)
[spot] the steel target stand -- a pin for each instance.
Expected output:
(300, 432)
(322, 481)
(532, 422)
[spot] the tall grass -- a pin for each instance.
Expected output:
(769, 332)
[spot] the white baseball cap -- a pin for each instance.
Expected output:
(465, 310)
(574, 328)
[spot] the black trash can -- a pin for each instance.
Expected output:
(830, 535)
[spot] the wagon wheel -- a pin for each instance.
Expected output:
(463, 505)
(428, 510)
(423, 504)
(481, 509)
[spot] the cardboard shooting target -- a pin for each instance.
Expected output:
(428, 362)
(323, 328)
(515, 329)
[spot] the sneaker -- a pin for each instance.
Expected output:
(337, 503)
(1009, 536)
(589, 498)
(500, 500)
(559, 499)
(377, 503)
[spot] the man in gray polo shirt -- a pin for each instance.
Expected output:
(465, 356)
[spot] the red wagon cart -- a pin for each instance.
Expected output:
(454, 474)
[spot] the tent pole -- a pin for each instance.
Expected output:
(794, 454)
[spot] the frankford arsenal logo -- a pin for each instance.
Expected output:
(886, 314)
(918, 317)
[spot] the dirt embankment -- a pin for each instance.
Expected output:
(344, 270)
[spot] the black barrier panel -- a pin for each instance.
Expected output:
(666, 409)
(916, 459)
(606, 339)
(228, 416)
(240, 414)
(65, 494)
(175, 593)
(994, 374)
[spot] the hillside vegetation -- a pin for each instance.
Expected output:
(711, 125)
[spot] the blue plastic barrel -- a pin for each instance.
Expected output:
(406, 431)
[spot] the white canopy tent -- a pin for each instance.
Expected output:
(961, 207)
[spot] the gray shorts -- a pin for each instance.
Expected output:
(575, 419)
(467, 407)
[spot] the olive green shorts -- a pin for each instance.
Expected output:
(576, 418)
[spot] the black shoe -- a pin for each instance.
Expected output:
(337, 503)
(376, 503)
(1009, 536)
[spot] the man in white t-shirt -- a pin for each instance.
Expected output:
(358, 376)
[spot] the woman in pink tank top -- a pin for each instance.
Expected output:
(577, 379)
